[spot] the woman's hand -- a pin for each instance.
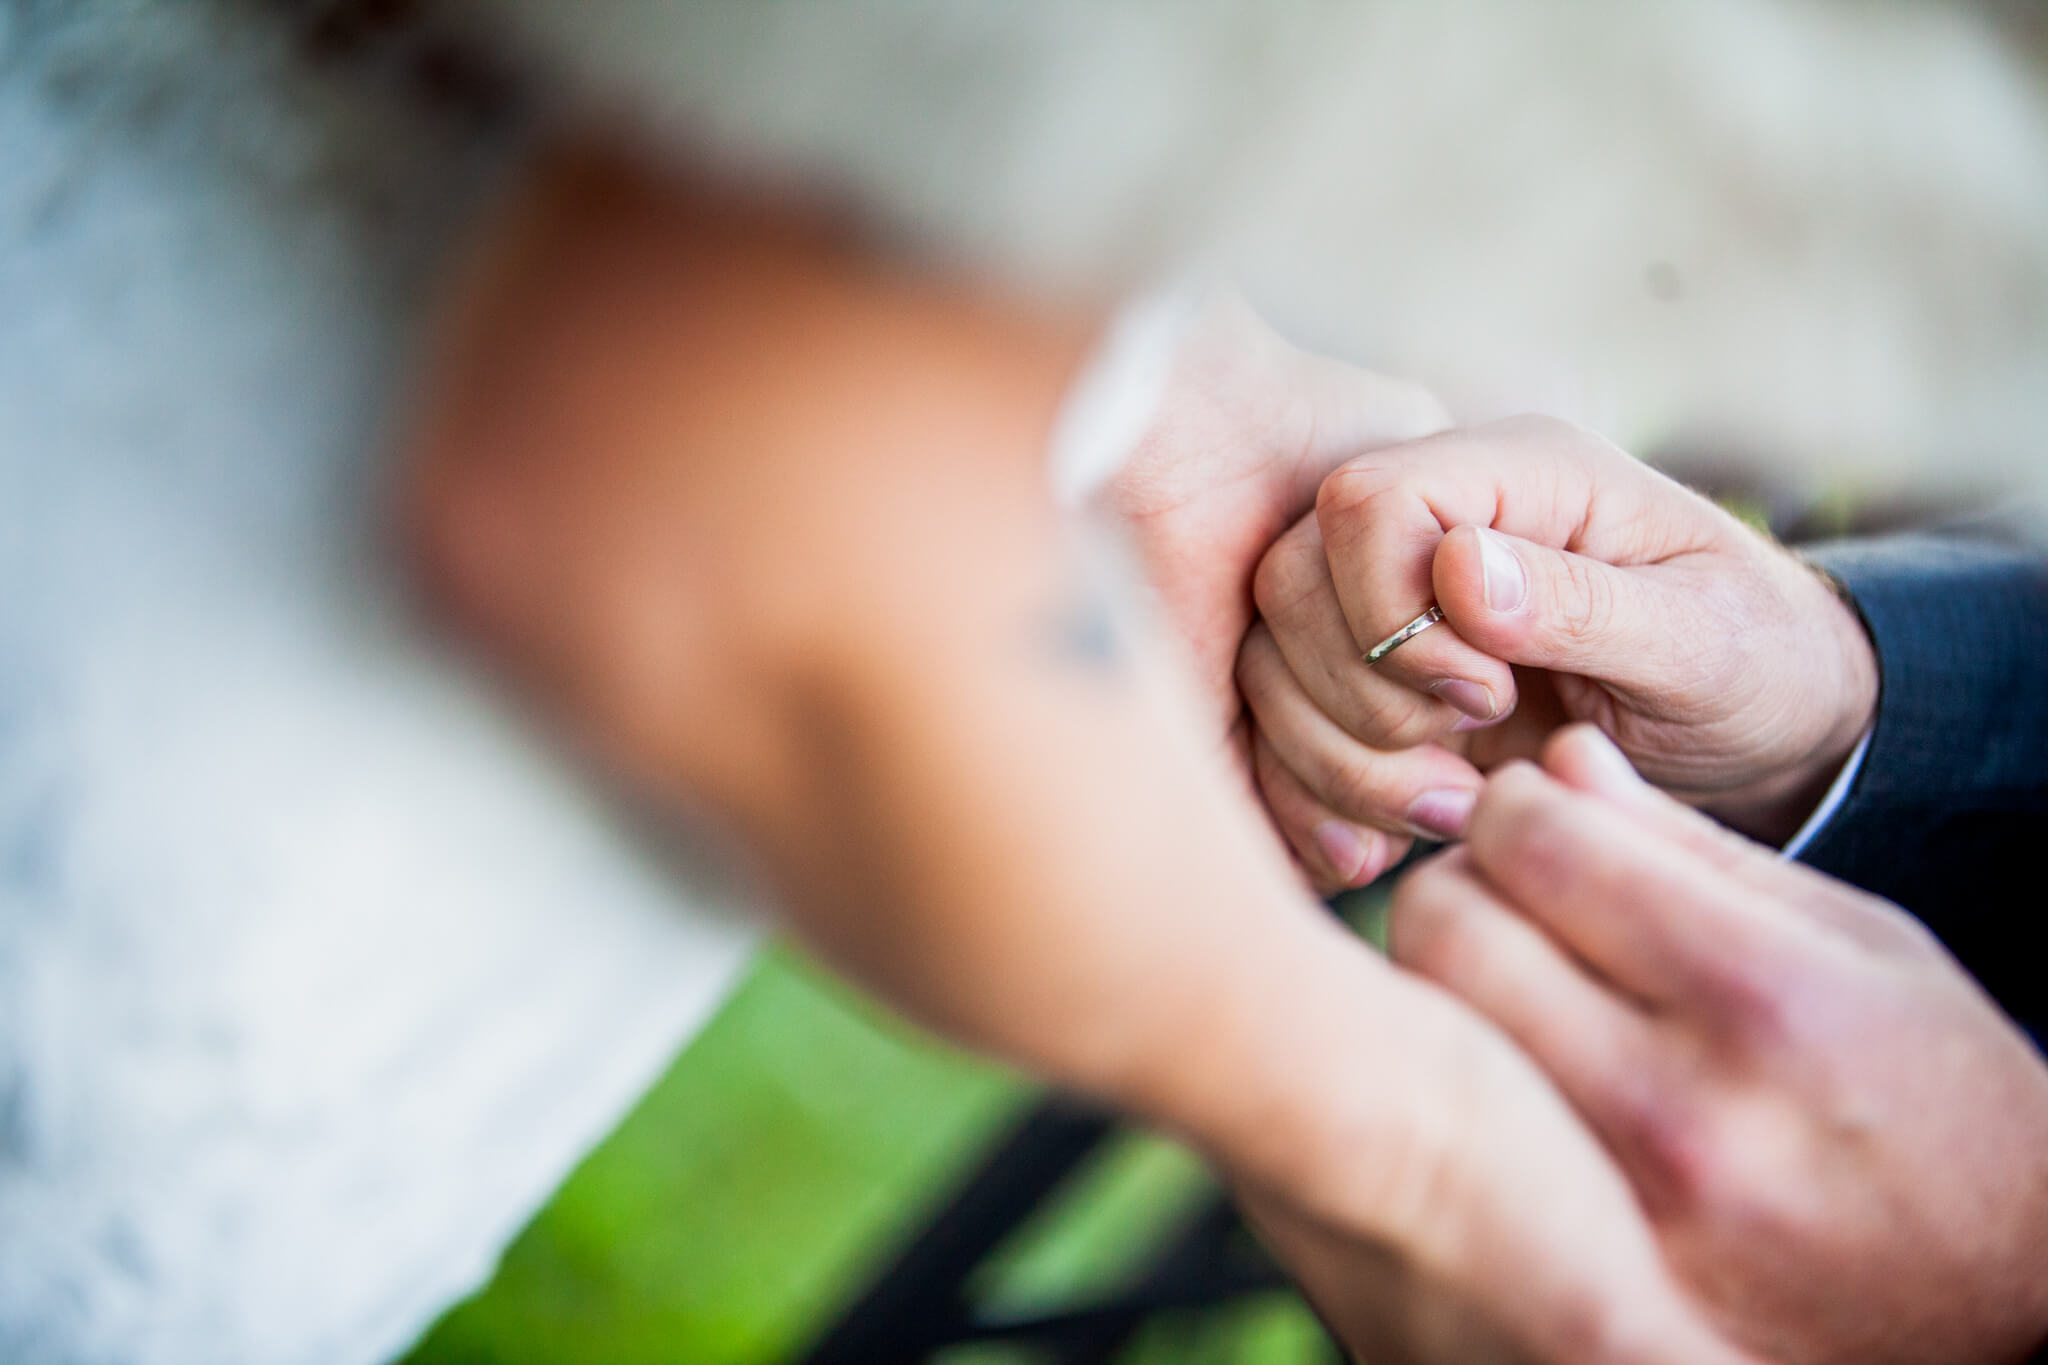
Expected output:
(1843, 1143)
(1246, 428)
(1576, 584)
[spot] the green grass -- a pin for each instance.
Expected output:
(775, 1167)
(748, 1193)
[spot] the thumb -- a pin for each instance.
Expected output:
(1528, 604)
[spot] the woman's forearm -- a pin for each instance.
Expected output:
(1007, 831)
(766, 525)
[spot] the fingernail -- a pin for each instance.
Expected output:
(1507, 583)
(1442, 812)
(1475, 701)
(1342, 847)
(1613, 767)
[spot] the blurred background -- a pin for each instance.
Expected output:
(342, 1020)
(750, 1200)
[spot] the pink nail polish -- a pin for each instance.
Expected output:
(1342, 848)
(1475, 701)
(1442, 812)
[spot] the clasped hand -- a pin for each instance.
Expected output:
(1292, 512)
(1576, 584)
(1786, 1069)
(650, 392)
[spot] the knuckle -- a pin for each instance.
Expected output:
(1392, 717)
(1585, 608)
(1350, 490)
(1759, 992)
(1592, 1327)
(1525, 832)
(1422, 925)
(1671, 1143)
(1284, 577)
(1534, 859)
(1700, 1157)
(1418, 724)
(1758, 1012)
(1351, 787)
(1729, 1168)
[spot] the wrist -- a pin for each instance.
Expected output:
(1337, 1097)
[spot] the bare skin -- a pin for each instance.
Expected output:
(1843, 1142)
(763, 525)
(1247, 429)
(1577, 584)
(1838, 1135)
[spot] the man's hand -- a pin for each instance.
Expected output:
(1505, 1235)
(1245, 431)
(1576, 584)
(1842, 1141)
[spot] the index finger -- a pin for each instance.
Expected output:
(1653, 916)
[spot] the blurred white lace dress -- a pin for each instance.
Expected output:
(316, 974)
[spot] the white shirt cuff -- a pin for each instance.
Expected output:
(1838, 792)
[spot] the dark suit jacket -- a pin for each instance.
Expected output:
(1951, 805)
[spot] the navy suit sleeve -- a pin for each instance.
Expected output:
(1951, 805)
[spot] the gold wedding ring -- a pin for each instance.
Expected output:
(1404, 634)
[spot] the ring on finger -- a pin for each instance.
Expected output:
(1404, 634)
